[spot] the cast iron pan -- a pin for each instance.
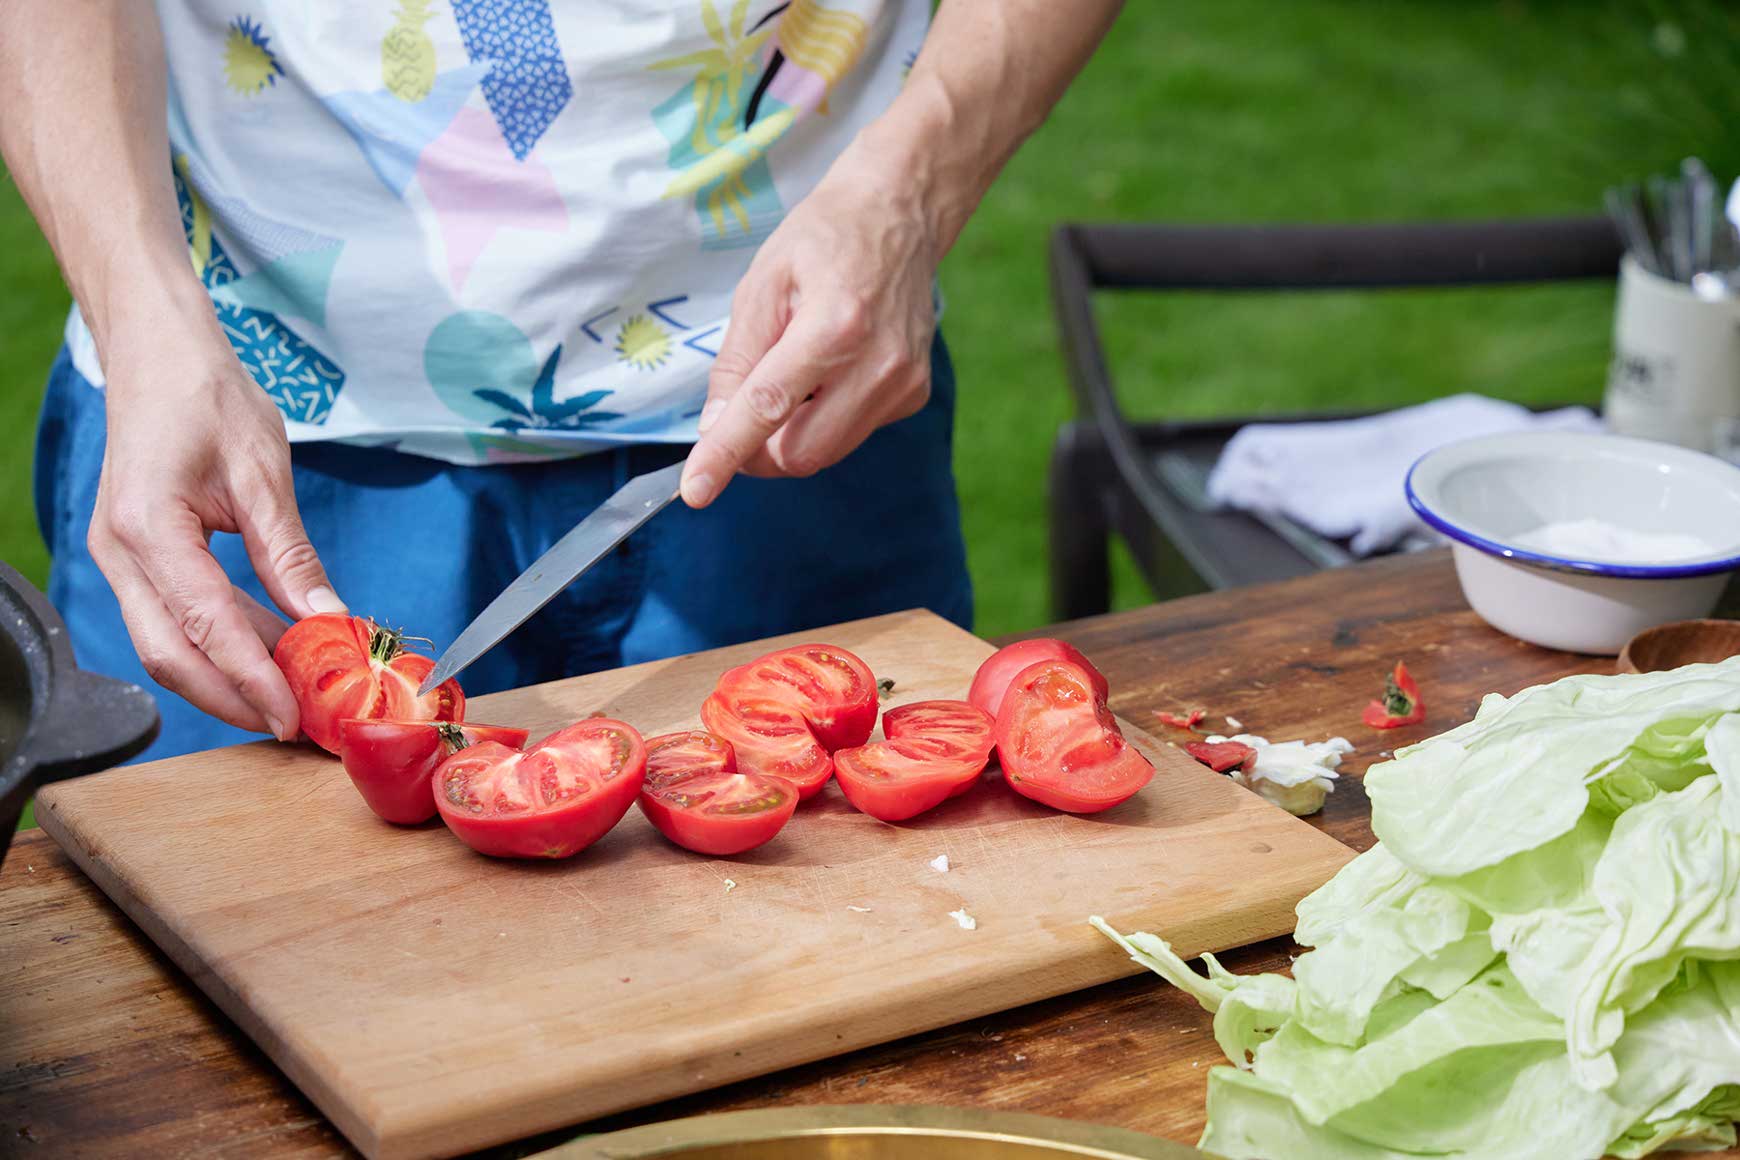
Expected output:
(55, 721)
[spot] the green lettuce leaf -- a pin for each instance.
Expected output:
(1516, 776)
(1540, 958)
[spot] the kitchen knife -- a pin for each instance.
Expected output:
(617, 518)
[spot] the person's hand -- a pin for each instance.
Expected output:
(830, 334)
(194, 446)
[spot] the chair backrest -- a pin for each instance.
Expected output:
(1085, 258)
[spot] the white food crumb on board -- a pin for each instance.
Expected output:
(730, 886)
(964, 920)
(940, 863)
(859, 909)
(1234, 724)
(501, 934)
(1020, 1058)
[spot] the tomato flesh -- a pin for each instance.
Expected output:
(834, 690)
(934, 750)
(550, 800)
(993, 678)
(1061, 746)
(341, 667)
(698, 799)
(771, 738)
(391, 762)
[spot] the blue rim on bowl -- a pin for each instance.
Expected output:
(1665, 571)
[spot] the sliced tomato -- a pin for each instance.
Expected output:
(992, 679)
(550, 800)
(770, 737)
(347, 666)
(934, 750)
(1060, 745)
(390, 762)
(834, 690)
(674, 757)
(955, 728)
(697, 798)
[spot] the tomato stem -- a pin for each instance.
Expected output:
(384, 643)
(452, 735)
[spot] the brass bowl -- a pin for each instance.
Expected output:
(871, 1132)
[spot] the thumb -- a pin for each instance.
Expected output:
(283, 559)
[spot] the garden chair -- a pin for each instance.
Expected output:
(1145, 481)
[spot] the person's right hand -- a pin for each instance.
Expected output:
(195, 446)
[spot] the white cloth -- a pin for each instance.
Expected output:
(487, 230)
(1344, 479)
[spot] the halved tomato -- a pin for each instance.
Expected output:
(1060, 745)
(770, 737)
(696, 797)
(342, 666)
(934, 750)
(550, 800)
(834, 690)
(390, 762)
(993, 677)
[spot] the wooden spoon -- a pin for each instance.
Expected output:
(1684, 642)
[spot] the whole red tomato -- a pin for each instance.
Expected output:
(993, 677)
(342, 666)
(1060, 745)
(549, 800)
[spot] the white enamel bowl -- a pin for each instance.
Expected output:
(1483, 493)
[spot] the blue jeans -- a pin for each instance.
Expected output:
(425, 545)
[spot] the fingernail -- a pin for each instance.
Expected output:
(324, 599)
(697, 489)
(710, 413)
(277, 726)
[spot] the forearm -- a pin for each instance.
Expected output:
(988, 75)
(82, 128)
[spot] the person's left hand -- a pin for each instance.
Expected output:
(830, 334)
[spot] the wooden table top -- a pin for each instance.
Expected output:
(110, 1051)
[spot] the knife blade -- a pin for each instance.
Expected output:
(617, 518)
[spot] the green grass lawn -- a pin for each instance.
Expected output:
(1233, 111)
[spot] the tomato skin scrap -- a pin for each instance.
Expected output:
(1188, 720)
(1400, 704)
(340, 666)
(391, 762)
(1060, 745)
(1221, 756)
(697, 798)
(550, 800)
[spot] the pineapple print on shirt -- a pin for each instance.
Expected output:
(749, 89)
(407, 53)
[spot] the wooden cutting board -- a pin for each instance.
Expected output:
(431, 1000)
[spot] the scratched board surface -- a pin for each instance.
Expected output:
(431, 1001)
